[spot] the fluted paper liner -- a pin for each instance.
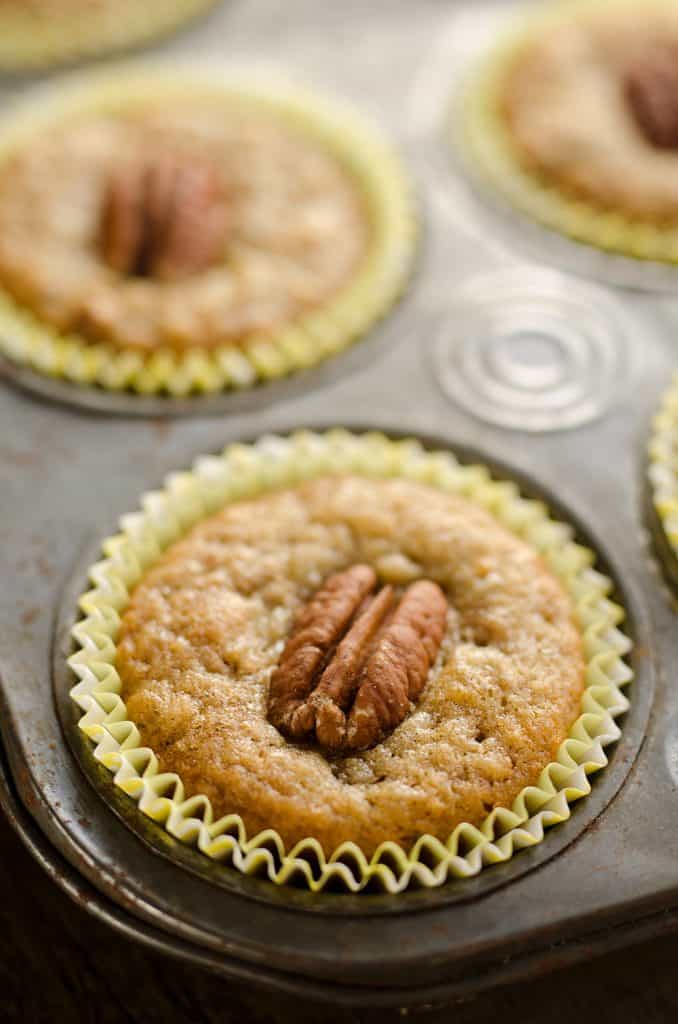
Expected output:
(245, 471)
(316, 335)
(33, 40)
(663, 467)
(496, 159)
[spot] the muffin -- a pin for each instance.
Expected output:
(36, 34)
(172, 235)
(576, 121)
(200, 642)
(360, 658)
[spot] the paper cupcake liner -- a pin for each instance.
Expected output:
(244, 471)
(33, 41)
(663, 473)
(496, 159)
(313, 337)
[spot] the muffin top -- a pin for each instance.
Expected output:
(44, 33)
(195, 223)
(210, 627)
(591, 104)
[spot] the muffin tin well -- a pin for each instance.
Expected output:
(252, 471)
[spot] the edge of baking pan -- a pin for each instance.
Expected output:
(499, 972)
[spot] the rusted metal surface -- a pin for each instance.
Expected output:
(68, 471)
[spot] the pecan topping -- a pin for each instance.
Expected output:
(651, 89)
(356, 660)
(162, 217)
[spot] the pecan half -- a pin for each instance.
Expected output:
(651, 89)
(356, 660)
(162, 217)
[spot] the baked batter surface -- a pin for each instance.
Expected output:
(565, 106)
(205, 628)
(296, 227)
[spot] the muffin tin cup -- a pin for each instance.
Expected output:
(314, 337)
(559, 227)
(245, 472)
(31, 42)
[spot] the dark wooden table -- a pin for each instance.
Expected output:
(57, 964)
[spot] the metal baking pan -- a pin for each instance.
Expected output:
(68, 472)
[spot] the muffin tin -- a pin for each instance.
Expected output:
(598, 880)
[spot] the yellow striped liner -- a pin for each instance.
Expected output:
(496, 160)
(316, 335)
(31, 40)
(248, 470)
(663, 467)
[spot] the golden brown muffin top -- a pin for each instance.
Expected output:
(572, 101)
(206, 626)
(289, 218)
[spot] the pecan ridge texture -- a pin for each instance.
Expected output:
(163, 217)
(651, 90)
(356, 660)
